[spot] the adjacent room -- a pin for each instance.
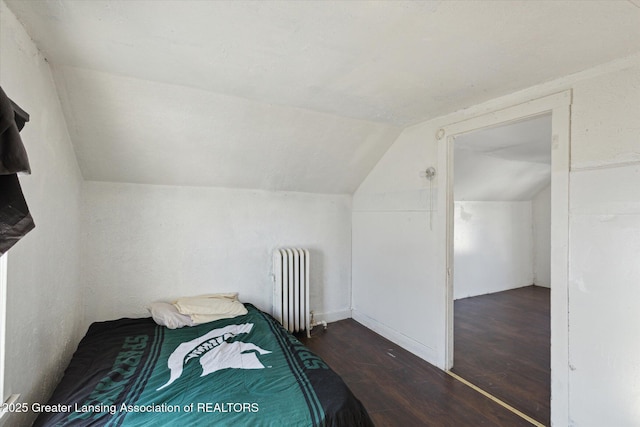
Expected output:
(502, 257)
(411, 157)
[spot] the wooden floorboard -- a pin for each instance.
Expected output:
(502, 345)
(397, 387)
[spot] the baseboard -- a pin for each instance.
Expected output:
(332, 316)
(542, 285)
(422, 351)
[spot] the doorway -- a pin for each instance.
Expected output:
(502, 252)
(558, 107)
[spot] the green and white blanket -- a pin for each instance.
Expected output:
(244, 371)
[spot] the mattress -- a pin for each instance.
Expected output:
(246, 370)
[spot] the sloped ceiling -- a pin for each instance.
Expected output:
(303, 96)
(504, 163)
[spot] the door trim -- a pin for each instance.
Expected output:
(559, 105)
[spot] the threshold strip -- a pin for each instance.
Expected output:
(495, 399)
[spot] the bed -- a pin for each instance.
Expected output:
(242, 371)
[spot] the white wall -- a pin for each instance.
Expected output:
(391, 232)
(44, 297)
(604, 272)
(395, 284)
(541, 216)
(493, 248)
(143, 243)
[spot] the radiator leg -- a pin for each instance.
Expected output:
(322, 322)
(313, 323)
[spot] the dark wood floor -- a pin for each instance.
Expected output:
(400, 389)
(502, 345)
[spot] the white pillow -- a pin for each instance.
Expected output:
(207, 308)
(165, 314)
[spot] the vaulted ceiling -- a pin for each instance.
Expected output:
(302, 96)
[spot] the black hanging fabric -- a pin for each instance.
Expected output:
(15, 219)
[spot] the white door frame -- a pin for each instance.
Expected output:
(559, 105)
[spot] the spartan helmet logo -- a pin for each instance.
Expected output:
(216, 352)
